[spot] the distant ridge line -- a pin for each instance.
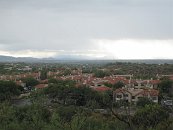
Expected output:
(65, 60)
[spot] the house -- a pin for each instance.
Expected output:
(132, 95)
(154, 83)
(122, 94)
(139, 84)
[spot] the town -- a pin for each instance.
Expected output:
(117, 88)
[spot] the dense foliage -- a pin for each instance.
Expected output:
(150, 116)
(165, 86)
(140, 70)
(8, 89)
(30, 82)
(144, 101)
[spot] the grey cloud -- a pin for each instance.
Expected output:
(72, 24)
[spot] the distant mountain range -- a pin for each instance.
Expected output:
(17, 59)
(78, 59)
(31, 59)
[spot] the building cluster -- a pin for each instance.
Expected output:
(131, 91)
(20, 76)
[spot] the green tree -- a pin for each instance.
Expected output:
(108, 84)
(43, 75)
(165, 86)
(6, 116)
(150, 116)
(69, 118)
(100, 73)
(8, 89)
(66, 72)
(62, 117)
(34, 117)
(144, 101)
(119, 84)
(53, 81)
(64, 92)
(30, 82)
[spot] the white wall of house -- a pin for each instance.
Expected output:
(132, 98)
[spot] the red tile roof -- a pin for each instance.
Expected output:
(44, 81)
(121, 90)
(151, 92)
(154, 81)
(102, 89)
(171, 78)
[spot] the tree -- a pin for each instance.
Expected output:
(105, 100)
(6, 116)
(66, 113)
(30, 82)
(34, 117)
(108, 84)
(144, 101)
(43, 75)
(69, 118)
(66, 72)
(119, 84)
(53, 81)
(62, 117)
(100, 73)
(165, 86)
(150, 116)
(8, 89)
(65, 92)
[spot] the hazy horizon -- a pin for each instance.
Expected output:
(90, 29)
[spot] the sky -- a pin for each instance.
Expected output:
(89, 29)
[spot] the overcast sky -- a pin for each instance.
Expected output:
(106, 29)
